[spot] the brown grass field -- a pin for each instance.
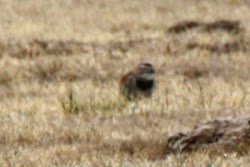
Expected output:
(60, 65)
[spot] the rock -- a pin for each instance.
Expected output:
(226, 132)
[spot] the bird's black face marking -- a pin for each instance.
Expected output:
(144, 85)
(147, 65)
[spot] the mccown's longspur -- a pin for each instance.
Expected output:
(139, 82)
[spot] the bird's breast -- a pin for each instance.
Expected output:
(144, 84)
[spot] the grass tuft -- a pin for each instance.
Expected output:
(70, 104)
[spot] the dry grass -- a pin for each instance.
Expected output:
(60, 63)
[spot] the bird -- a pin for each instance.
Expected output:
(139, 82)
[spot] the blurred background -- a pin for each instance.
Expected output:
(60, 65)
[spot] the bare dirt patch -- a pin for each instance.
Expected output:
(227, 47)
(230, 26)
(39, 47)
